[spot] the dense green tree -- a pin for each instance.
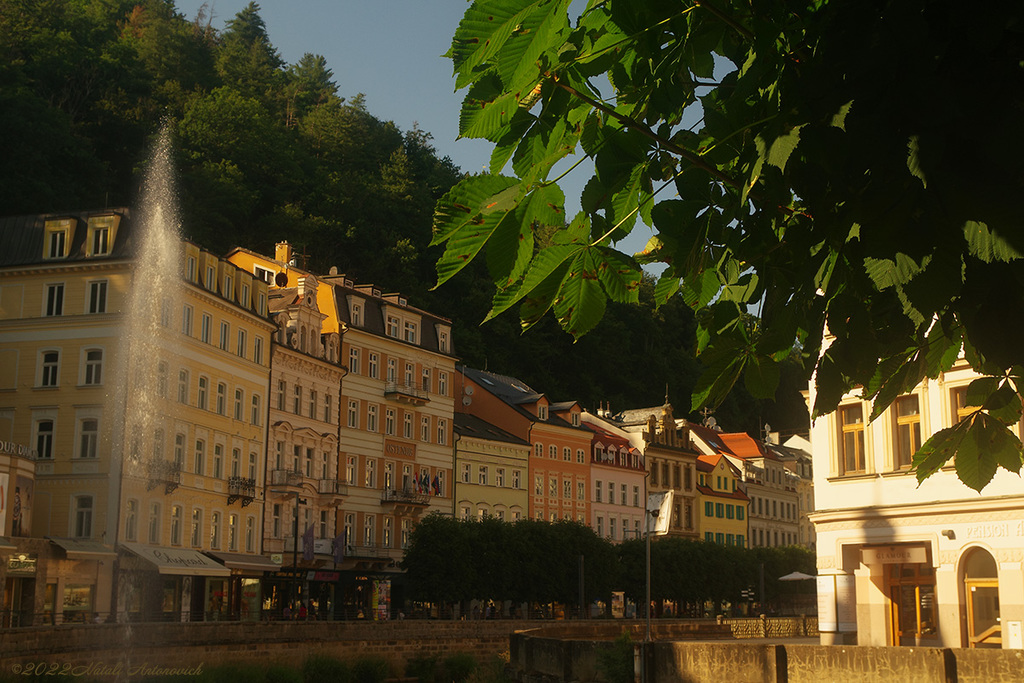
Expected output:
(246, 59)
(804, 157)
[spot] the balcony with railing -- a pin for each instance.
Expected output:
(332, 488)
(241, 488)
(166, 473)
(286, 477)
(406, 502)
(406, 393)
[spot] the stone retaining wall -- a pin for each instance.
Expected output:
(215, 643)
(537, 657)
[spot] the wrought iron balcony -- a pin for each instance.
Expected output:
(405, 498)
(241, 488)
(166, 473)
(406, 393)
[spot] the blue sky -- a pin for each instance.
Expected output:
(389, 50)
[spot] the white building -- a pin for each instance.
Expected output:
(934, 564)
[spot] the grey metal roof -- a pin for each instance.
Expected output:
(472, 426)
(22, 238)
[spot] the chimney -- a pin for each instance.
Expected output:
(283, 252)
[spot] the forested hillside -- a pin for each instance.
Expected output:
(269, 151)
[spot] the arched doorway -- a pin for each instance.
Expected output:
(981, 588)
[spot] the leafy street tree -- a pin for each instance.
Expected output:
(850, 168)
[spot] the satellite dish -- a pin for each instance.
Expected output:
(711, 422)
(281, 280)
(468, 391)
(466, 400)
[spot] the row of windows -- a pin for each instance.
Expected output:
(758, 537)
(199, 463)
(323, 528)
(725, 539)
(482, 513)
(372, 422)
(369, 538)
(538, 452)
(373, 369)
(628, 527)
(905, 425)
(90, 372)
(553, 516)
(198, 535)
(227, 284)
(623, 497)
(396, 476)
(788, 510)
(241, 346)
(97, 243)
(87, 435)
(553, 489)
(681, 475)
(305, 403)
(719, 483)
(95, 301)
(304, 460)
(217, 401)
(623, 456)
(724, 510)
(396, 328)
(484, 476)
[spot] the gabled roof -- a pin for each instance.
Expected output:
(742, 445)
(607, 437)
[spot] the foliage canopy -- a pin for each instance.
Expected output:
(850, 169)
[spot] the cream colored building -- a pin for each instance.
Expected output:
(934, 564)
(118, 499)
(395, 436)
(492, 470)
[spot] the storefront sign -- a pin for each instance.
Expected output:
(399, 449)
(12, 448)
(21, 565)
(324, 576)
(894, 554)
(837, 603)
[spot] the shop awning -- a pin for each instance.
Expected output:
(83, 548)
(243, 562)
(177, 561)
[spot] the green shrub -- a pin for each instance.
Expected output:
(459, 667)
(615, 661)
(423, 669)
(277, 673)
(369, 670)
(325, 669)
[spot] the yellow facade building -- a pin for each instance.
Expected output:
(129, 505)
(721, 502)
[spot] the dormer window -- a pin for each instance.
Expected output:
(210, 278)
(542, 412)
(357, 315)
(229, 288)
(245, 296)
(190, 269)
(575, 419)
(100, 241)
(442, 342)
(264, 274)
(57, 239)
(393, 326)
(411, 330)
